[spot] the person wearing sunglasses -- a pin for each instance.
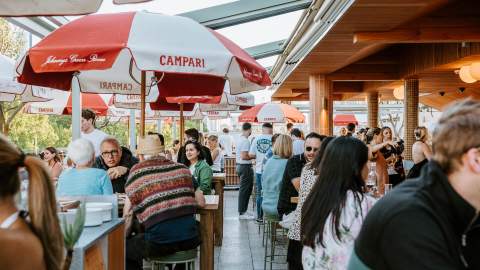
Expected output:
(431, 222)
(291, 184)
(83, 180)
(117, 161)
(293, 169)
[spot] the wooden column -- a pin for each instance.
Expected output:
(372, 104)
(321, 100)
(410, 114)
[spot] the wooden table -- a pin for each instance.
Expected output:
(218, 184)
(207, 220)
(101, 247)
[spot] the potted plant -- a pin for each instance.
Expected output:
(71, 234)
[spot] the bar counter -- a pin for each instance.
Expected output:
(101, 247)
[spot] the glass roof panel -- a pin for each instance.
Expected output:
(162, 6)
(262, 31)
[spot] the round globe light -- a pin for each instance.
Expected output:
(465, 75)
(475, 70)
(399, 92)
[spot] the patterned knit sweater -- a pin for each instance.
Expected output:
(159, 190)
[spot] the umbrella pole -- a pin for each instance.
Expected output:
(76, 109)
(142, 104)
(182, 123)
(131, 127)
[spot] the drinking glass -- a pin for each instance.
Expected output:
(388, 188)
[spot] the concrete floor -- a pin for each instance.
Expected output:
(242, 243)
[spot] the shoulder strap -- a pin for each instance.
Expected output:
(9, 221)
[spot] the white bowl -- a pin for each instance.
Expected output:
(106, 209)
(93, 216)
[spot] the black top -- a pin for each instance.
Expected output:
(127, 160)
(293, 169)
(419, 225)
(182, 157)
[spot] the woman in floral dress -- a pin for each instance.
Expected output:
(307, 179)
(334, 210)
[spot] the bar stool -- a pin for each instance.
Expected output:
(270, 229)
(186, 257)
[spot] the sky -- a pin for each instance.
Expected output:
(245, 35)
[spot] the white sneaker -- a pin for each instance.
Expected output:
(245, 216)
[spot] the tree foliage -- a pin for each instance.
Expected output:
(33, 132)
(12, 43)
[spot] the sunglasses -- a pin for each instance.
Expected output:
(309, 149)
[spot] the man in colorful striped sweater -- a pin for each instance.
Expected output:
(161, 193)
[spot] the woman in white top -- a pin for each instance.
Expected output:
(307, 180)
(216, 153)
(36, 242)
(336, 206)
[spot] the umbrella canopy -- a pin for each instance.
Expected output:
(344, 119)
(108, 52)
(159, 104)
(54, 7)
(272, 113)
(10, 88)
(225, 102)
(62, 104)
(29, 95)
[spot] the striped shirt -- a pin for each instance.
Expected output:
(159, 190)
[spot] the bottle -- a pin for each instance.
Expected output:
(372, 177)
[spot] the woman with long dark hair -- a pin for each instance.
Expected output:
(307, 180)
(336, 206)
(36, 242)
(51, 156)
(198, 166)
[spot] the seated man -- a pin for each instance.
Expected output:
(289, 189)
(117, 161)
(161, 193)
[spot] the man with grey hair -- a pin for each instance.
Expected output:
(83, 179)
(117, 161)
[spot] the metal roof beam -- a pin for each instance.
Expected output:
(243, 11)
(267, 49)
(34, 25)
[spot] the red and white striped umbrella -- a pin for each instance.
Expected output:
(225, 102)
(272, 113)
(10, 88)
(108, 53)
(29, 95)
(10, 8)
(62, 104)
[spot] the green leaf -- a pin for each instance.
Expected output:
(72, 232)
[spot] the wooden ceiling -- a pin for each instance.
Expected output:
(380, 42)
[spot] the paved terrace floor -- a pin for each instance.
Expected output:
(242, 243)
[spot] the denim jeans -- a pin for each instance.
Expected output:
(245, 172)
(258, 195)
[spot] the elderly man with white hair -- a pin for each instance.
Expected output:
(83, 179)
